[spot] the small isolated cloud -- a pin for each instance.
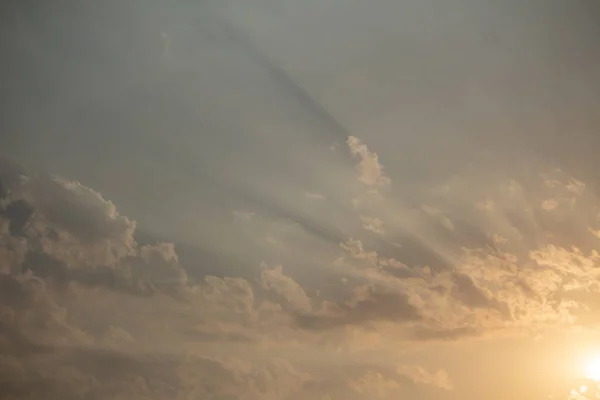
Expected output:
(356, 250)
(314, 196)
(497, 239)
(370, 171)
(116, 336)
(373, 224)
(549, 205)
(243, 215)
(576, 186)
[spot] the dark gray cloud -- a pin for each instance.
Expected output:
(467, 291)
(73, 235)
(80, 212)
(17, 213)
(54, 343)
(445, 334)
(368, 304)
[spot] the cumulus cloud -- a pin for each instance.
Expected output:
(66, 252)
(274, 279)
(78, 292)
(499, 286)
(373, 224)
(370, 171)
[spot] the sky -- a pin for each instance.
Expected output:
(299, 199)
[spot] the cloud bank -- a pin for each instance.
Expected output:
(88, 312)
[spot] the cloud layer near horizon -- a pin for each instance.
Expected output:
(88, 312)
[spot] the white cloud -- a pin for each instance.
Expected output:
(549, 204)
(370, 171)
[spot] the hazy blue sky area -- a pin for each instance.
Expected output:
(299, 199)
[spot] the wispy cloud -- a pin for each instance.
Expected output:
(314, 196)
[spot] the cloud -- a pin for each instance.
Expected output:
(78, 291)
(370, 171)
(439, 215)
(78, 297)
(243, 215)
(90, 373)
(17, 213)
(314, 196)
(468, 292)
(439, 378)
(549, 205)
(486, 290)
(72, 234)
(507, 248)
(387, 381)
(374, 384)
(373, 224)
(367, 303)
(76, 210)
(357, 251)
(370, 380)
(273, 279)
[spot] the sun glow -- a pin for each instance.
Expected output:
(592, 368)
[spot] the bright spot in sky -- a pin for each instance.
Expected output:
(592, 368)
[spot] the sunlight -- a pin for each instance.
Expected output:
(592, 368)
